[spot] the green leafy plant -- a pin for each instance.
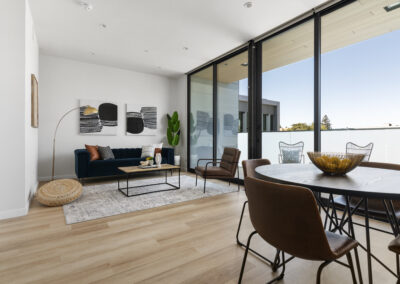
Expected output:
(174, 129)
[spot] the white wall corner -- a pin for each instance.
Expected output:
(13, 213)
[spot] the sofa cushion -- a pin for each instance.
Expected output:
(123, 153)
(110, 167)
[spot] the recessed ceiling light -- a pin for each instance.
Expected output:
(146, 50)
(87, 6)
(103, 26)
(248, 4)
(245, 64)
(392, 7)
(185, 48)
(92, 53)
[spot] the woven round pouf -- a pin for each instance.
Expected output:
(59, 192)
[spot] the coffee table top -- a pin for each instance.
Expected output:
(137, 169)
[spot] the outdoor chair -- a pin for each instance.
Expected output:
(352, 148)
(291, 153)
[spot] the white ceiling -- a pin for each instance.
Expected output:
(208, 28)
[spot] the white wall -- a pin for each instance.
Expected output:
(16, 55)
(178, 103)
(64, 82)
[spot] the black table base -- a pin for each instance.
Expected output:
(128, 175)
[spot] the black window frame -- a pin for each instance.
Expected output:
(255, 118)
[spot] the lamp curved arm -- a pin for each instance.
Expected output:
(54, 139)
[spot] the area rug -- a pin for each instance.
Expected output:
(104, 200)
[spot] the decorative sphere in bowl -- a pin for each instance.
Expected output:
(335, 163)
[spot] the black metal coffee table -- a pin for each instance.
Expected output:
(129, 171)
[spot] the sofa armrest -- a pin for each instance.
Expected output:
(168, 153)
(82, 159)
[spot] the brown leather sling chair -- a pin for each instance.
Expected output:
(249, 167)
(228, 164)
(287, 217)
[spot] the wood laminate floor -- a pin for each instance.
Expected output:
(191, 242)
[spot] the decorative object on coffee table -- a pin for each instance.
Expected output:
(59, 192)
(173, 134)
(158, 159)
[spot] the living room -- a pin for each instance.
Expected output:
(149, 141)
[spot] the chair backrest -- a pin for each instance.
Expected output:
(291, 153)
(249, 166)
(352, 148)
(230, 159)
(287, 217)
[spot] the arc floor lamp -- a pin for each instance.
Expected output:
(61, 191)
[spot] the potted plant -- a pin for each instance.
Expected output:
(173, 134)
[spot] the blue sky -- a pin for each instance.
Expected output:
(360, 85)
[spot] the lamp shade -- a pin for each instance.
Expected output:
(90, 110)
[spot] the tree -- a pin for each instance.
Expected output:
(326, 123)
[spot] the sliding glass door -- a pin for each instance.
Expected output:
(201, 116)
(232, 102)
(360, 87)
(288, 91)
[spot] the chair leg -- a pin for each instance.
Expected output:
(280, 277)
(276, 262)
(205, 180)
(240, 222)
(245, 256)
(358, 265)
(398, 267)
(351, 266)
(325, 263)
(238, 179)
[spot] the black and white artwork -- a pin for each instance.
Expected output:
(141, 120)
(102, 122)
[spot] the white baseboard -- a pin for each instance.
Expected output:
(14, 212)
(48, 178)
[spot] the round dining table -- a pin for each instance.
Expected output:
(363, 182)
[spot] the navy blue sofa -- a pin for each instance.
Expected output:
(85, 168)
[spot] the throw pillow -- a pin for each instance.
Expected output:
(93, 151)
(147, 151)
(291, 156)
(106, 153)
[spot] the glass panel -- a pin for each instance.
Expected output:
(360, 84)
(288, 93)
(201, 116)
(232, 105)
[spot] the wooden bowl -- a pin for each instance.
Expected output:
(335, 163)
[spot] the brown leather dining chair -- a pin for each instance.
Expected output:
(249, 167)
(249, 170)
(287, 217)
(224, 168)
(394, 246)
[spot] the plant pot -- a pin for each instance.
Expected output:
(177, 160)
